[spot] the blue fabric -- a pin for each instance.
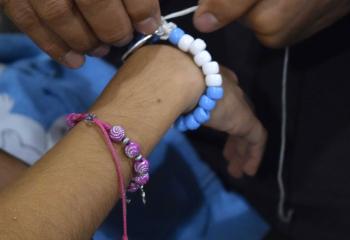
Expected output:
(39, 86)
(36, 93)
(186, 201)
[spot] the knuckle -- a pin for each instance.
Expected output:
(3, 2)
(269, 21)
(92, 3)
(53, 10)
(272, 41)
(25, 18)
(224, 10)
(84, 46)
(266, 24)
(140, 12)
(52, 50)
(115, 36)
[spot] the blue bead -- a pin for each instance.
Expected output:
(201, 115)
(207, 103)
(215, 93)
(191, 122)
(180, 124)
(176, 35)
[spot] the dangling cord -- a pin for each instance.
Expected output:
(72, 120)
(284, 217)
(103, 126)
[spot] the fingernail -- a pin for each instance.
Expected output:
(100, 51)
(147, 26)
(124, 41)
(73, 59)
(206, 22)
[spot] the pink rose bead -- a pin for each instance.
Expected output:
(141, 167)
(141, 179)
(133, 187)
(117, 133)
(132, 150)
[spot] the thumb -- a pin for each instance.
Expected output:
(212, 15)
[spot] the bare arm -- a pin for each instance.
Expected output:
(73, 187)
(10, 169)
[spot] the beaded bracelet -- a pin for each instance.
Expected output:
(116, 134)
(210, 69)
(132, 149)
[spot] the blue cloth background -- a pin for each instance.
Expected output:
(41, 88)
(186, 200)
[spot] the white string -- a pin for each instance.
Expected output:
(284, 217)
(181, 13)
(165, 27)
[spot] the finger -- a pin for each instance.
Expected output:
(256, 145)
(101, 51)
(108, 19)
(233, 154)
(234, 170)
(23, 16)
(145, 15)
(63, 18)
(214, 14)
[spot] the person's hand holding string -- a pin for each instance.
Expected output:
(68, 29)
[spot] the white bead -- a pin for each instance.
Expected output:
(213, 80)
(185, 42)
(202, 58)
(210, 68)
(197, 46)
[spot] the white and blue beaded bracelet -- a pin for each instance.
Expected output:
(210, 69)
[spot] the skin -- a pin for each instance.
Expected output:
(276, 23)
(69, 192)
(245, 145)
(67, 29)
(10, 169)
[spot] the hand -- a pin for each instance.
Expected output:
(247, 137)
(276, 23)
(67, 29)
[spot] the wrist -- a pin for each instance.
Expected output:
(161, 69)
(158, 82)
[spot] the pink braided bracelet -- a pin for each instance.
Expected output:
(116, 134)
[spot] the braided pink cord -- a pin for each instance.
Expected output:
(73, 119)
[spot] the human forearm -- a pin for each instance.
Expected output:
(69, 192)
(10, 169)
